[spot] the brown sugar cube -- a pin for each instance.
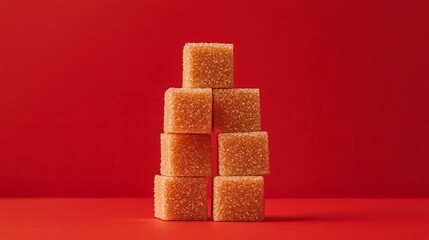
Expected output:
(208, 65)
(243, 154)
(188, 110)
(236, 110)
(180, 198)
(238, 198)
(185, 154)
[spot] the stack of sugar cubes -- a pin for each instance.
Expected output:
(208, 104)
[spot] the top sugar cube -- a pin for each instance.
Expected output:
(208, 65)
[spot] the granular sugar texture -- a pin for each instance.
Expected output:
(180, 198)
(185, 154)
(238, 198)
(208, 65)
(243, 154)
(236, 110)
(188, 110)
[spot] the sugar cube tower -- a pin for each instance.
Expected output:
(208, 104)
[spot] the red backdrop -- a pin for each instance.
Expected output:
(344, 92)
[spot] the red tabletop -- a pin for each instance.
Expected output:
(68, 218)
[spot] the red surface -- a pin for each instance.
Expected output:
(344, 87)
(285, 219)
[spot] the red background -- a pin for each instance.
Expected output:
(344, 92)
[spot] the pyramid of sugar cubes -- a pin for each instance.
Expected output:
(209, 104)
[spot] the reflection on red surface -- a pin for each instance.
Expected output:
(285, 219)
